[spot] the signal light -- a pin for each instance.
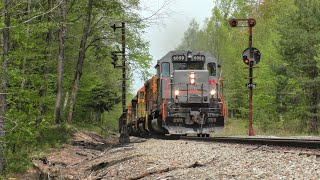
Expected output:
(251, 22)
(233, 23)
(114, 57)
(245, 59)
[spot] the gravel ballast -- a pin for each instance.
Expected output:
(178, 159)
(91, 157)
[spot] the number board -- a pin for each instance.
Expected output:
(178, 58)
(198, 58)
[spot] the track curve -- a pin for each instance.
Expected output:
(282, 142)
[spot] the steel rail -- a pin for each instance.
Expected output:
(282, 142)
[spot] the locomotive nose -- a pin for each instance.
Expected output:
(192, 86)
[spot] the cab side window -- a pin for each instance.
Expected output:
(141, 95)
(165, 69)
(212, 69)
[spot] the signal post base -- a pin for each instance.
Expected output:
(251, 132)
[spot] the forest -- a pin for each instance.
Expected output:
(56, 72)
(287, 33)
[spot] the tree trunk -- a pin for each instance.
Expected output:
(62, 35)
(44, 87)
(314, 101)
(4, 82)
(81, 58)
(27, 37)
(314, 112)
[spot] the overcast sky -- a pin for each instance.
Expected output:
(167, 33)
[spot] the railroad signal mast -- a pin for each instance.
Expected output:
(250, 56)
(124, 136)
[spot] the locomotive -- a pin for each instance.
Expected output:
(184, 97)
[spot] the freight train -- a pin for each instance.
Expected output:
(184, 97)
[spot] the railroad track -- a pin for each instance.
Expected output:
(282, 142)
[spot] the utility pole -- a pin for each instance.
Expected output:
(124, 136)
(251, 56)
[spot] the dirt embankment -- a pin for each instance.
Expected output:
(77, 159)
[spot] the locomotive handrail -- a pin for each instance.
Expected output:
(164, 101)
(224, 109)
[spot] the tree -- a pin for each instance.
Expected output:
(190, 36)
(4, 81)
(300, 34)
(62, 35)
(82, 53)
(31, 90)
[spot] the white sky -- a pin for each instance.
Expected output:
(166, 34)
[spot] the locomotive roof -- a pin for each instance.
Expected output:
(169, 55)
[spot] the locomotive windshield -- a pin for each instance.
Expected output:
(188, 65)
(212, 69)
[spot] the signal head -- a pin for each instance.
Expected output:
(233, 22)
(114, 56)
(113, 27)
(251, 22)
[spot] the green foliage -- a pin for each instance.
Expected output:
(32, 72)
(287, 34)
(299, 44)
(25, 143)
(235, 127)
(190, 36)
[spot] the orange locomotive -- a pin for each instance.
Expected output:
(184, 97)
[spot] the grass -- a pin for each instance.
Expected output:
(239, 127)
(97, 128)
(20, 158)
(54, 136)
(235, 127)
(20, 153)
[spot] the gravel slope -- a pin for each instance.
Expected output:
(181, 159)
(163, 159)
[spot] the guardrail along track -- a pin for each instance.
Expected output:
(283, 142)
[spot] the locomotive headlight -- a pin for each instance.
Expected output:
(176, 92)
(192, 75)
(213, 92)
